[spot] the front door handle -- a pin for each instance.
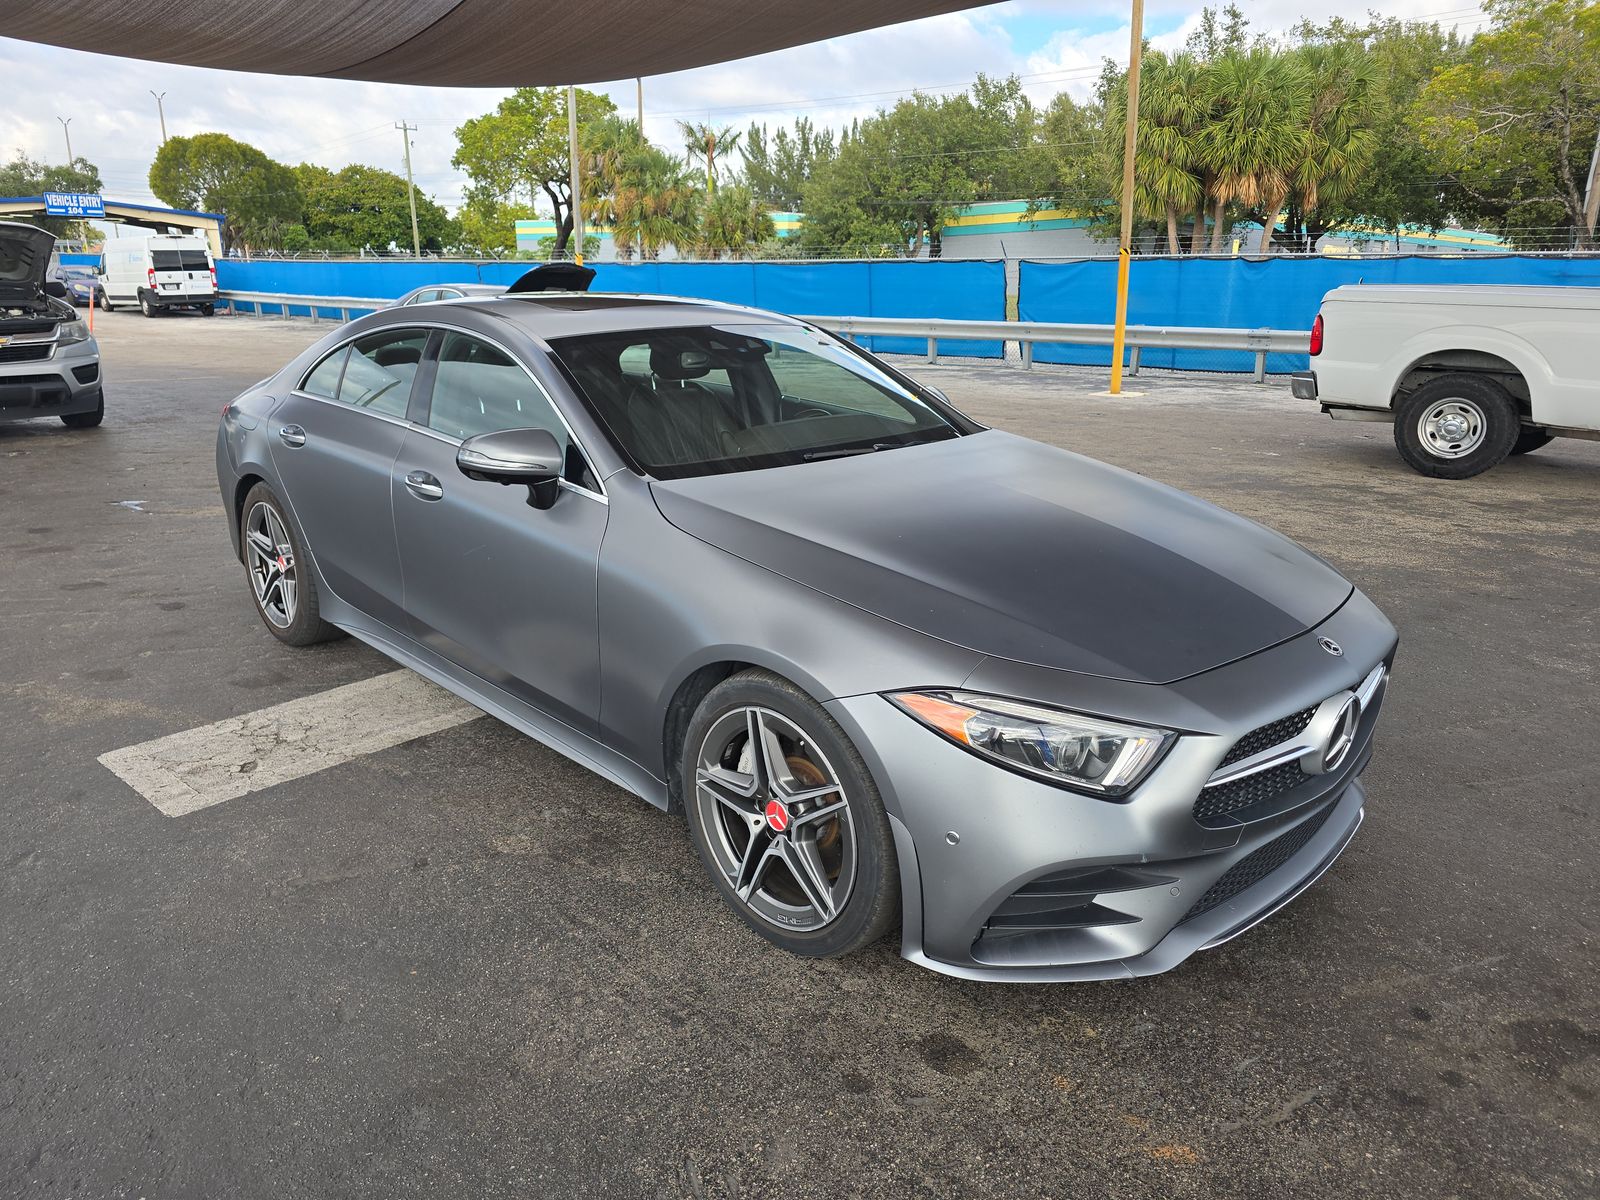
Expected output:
(424, 486)
(292, 435)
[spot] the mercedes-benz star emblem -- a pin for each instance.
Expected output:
(1340, 739)
(1331, 646)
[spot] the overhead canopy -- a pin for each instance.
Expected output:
(506, 43)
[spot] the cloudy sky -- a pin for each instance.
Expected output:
(1053, 45)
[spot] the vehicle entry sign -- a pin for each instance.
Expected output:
(74, 204)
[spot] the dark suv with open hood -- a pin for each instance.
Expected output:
(49, 361)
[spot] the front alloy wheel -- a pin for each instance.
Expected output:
(271, 558)
(787, 818)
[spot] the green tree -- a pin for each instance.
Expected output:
(1516, 122)
(1254, 136)
(734, 222)
(211, 171)
(365, 208)
(656, 204)
(518, 154)
(778, 166)
(1169, 177)
(706, 143)
(22, 176)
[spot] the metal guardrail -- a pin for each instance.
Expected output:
(1259, 342)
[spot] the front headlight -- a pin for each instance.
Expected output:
(69, 332)
(1091, 754)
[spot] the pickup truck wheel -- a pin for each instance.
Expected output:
(1530, 440)
(1456, 426)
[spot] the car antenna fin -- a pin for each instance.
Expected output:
(554, 277)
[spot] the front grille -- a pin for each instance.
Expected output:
(1270, 735)
(86, 374)
(1249, 791)
(27, 353)
(1258, 864)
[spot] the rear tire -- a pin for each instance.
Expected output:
(802, 852)
(88, 420)
(146, 307)
(208, 310)
(1456, 426)
(282, 585)
(1530, 440)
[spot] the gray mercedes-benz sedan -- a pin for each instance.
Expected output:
(1047, 719)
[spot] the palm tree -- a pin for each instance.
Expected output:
(1256, 134)
(656, 204)
(734, 221)
(704, 142)
(1167, 178)
(1339, 140)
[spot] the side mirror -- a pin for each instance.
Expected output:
(936, 393)
(56, 288)
(531, 457)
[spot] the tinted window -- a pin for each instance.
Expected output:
(324, 378)
(699, 401)
(478, 389)
(166, 260)
(424, 297)
(195, 260)
(381, 369)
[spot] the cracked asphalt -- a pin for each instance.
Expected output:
(463, 966)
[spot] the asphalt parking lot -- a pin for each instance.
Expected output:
(463, 966)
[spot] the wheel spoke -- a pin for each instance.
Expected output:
(801, 820)
(766, 751)
(805, 864)
(731, 790)
(758, 855)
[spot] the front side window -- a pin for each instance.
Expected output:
(477, 388)
(716, 399)
(381, 370)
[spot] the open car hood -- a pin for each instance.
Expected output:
(1021, 551)
(24, 258)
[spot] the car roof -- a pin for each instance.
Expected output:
(568, 314)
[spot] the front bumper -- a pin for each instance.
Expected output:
(1149, 883)
(64, 382)
(1303, 385)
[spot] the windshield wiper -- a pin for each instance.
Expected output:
(850, 451)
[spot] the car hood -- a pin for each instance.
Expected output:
(1021, 551)
(24, 258)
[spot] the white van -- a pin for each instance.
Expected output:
(160, 271)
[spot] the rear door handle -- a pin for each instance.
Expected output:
(424, 486)
(292, 435)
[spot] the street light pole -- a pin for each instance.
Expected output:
(577, 195)
(161, 112)
(65, 121)
(639, 83)
(1125, 242)
(406, 131)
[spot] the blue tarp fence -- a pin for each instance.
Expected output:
(959, 289)
(1237, 293)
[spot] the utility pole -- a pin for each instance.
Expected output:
(161, 112)
(639, 82)
(577, 195)
(65, 121)
(1591, 197)
(411, 189)
(1125, 242)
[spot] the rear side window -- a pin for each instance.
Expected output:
(195, 260)
(381, 369)
(324, 378)
(166, 260)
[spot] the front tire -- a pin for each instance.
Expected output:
(1456, 426)
(105, 302)
(280, 580)
(87, 420)
(787, 820)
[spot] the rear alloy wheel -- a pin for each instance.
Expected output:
(284, 593)
(1456, 426)
(787, 820)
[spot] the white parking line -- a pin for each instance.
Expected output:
(185, 772)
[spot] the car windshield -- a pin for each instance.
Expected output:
(719, 399)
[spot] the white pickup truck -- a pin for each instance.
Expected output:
(1467, 374)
